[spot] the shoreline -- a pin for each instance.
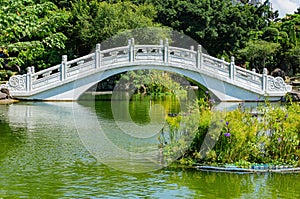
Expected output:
(8, 101)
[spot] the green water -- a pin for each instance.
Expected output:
(43, 155)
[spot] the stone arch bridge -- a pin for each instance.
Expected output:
(69, 79)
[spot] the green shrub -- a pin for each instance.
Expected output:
(243, 138)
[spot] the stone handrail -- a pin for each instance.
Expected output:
(161, 54)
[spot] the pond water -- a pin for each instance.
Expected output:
(46, 151)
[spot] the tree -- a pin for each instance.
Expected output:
(260, 53)
(220, 26)
(31, 34)
(154, 82)
(92, 22)
(294, 59)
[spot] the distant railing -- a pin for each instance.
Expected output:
(161, 54)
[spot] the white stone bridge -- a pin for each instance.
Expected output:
(70, 79)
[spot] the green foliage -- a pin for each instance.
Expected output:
(237, 139)
(294, 59)
(154, 82)
(282, 140)
(220, 26)
(244, 139)
(31, 33)
(93, 22)
(179, 134)
(142, 36)
(285, 34)
(260, 53)
(5, 74)
(38, 32)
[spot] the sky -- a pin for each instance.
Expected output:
(285, 6)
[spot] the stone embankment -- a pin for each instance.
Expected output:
(5, 97)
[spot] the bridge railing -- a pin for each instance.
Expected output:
(148, 52)
(112, 56)
(179, 55)
(161, 54)
(213, 64)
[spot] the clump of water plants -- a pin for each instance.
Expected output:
(271, 136)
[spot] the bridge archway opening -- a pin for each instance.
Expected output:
(143, 75)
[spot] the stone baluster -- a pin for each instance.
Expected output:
(32, 69)
(199, 57)
(161, 44)
(222, 62)
(253, 76)
(98, 56)
(28, 79)
(63, 67)
(166, 51)
(191, 54)
(265, 80)
(232, 69)
(131, 49)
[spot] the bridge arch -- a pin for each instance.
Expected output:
(218, 89)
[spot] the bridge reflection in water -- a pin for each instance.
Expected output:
(113, 141)
(100, 135)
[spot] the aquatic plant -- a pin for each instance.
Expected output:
(271, 136)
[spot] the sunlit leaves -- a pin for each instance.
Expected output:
(30, 31)
(259, 52)
(93, 22)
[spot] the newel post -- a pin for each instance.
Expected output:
(28, 79)
(254, 71)
(166, 51)
(265, 80)
(161, 46)
(192, 48)
(131, 49)
(199, 57)
(223, 62)
(63, 67)
(232, 68)
(98, 56)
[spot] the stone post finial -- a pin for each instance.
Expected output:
(32, 69)
(254, 71)
(63, 67)
(265, 80)
(98, 56)
(64, 58)
(199, 48)
(232, 59)
(28, 70)
(199, 56)
(191, 54)
(98, 46)
(131, 49)
(166, 41)
(166, 51)
(222, 63)
(232, 68)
